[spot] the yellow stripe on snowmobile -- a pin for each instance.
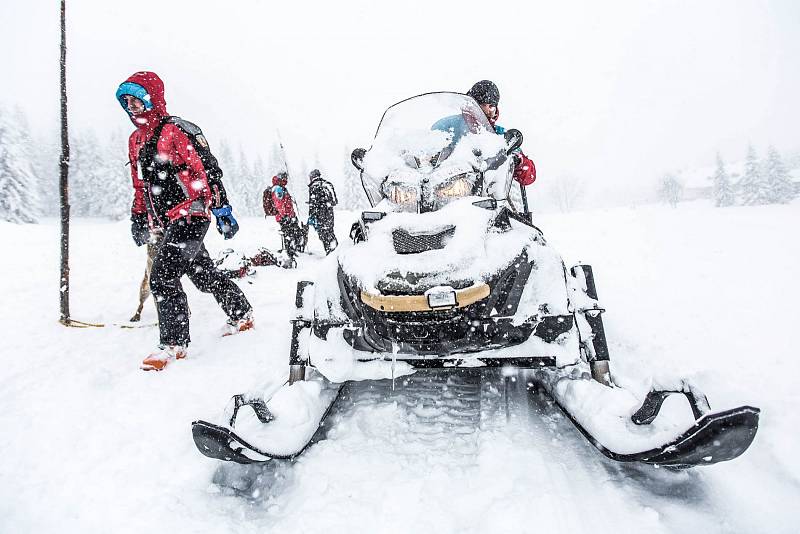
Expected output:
(412, 303)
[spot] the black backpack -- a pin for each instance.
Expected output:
(219, 197)
(326, 192)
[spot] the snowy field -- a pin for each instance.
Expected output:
(90, 443)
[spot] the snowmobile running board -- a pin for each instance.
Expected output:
(714, 437)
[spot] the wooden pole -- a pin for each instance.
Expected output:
(64, 177)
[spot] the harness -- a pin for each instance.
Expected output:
(164, 187)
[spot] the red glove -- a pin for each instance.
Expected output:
(524, 169)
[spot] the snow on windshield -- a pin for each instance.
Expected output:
(417, 135)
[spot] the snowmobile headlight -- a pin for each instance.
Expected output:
(400, 194)
(459, 186)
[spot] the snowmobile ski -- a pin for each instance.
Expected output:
(222, 443)
(713, 438)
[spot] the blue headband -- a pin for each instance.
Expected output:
(135, 90)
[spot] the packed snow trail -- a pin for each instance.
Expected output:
(90, 443)
(430, 436)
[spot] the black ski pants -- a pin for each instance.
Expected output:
(182, 253)
(323, 216)
(292, 236)
(328, 238)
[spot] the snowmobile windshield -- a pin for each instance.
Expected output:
(431, 149)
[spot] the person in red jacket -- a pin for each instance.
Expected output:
(487, 95)
(283, 207)
(172, 196)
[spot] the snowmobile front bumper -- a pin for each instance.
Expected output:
(421, 362)
(456, 298)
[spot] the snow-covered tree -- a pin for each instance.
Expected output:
(115, 183)
(246, 185)
(230, 171)
(88, 174)
(45, 166)
(566, 191)
(19, 201)
(261, 180)
(722, 189)
(29, 151)
(752, 188)
(351, 193)
(670, 189)
(780, 189)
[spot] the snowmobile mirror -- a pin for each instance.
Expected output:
(372, 216)
(487, 204)
(513, 140)
(357, 157)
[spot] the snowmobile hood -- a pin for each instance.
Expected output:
(147, 87)
(467, 248)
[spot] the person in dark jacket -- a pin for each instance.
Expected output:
(172, 195)
(487, 95)
(321, 200)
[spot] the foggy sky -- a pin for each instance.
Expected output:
(614, 92)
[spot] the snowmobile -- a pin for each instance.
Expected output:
(446, 272)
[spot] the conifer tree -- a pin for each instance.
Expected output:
(671, 190)
(88, 175)
(780, 189)
(261, 180)
(351, 195)
(18, 200)
(26, 152)
(116, 178)
(45, 167)
(722, 189)
(227, 162)
(752, 188)
(246, 185)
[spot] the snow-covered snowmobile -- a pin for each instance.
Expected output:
(446, 272)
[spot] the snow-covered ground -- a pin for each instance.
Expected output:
(90, 443)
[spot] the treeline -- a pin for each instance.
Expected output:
(100, 179)
(762, 181)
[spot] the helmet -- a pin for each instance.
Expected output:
(314, 174)
(485, 92)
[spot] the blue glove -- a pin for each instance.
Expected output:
(312, 222)
(226, 223)
(140, 229)
(279, 191)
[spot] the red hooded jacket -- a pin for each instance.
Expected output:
(173, 147)
(284, 207)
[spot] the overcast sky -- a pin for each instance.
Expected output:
(614, 92)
